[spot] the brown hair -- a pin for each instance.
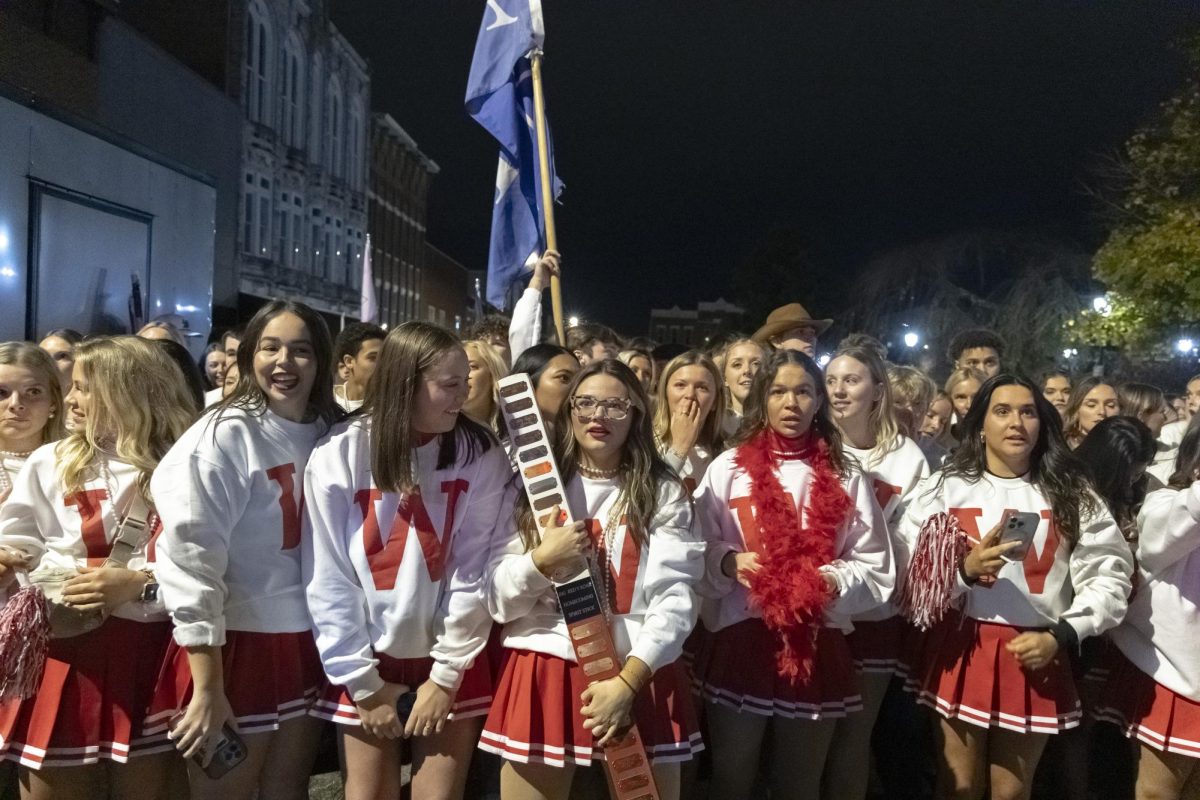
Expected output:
(407, 352)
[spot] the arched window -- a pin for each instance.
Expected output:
(335, 154)
(292, 118)
(355, 145)
(258, 61)
(316, 107)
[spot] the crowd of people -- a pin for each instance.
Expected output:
(302, 530)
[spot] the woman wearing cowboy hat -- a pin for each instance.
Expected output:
(791, 327)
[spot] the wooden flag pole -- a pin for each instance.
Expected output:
(543, 145)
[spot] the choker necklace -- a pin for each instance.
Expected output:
(597, 474)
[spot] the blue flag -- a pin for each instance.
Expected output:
(500, 98)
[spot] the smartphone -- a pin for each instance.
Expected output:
(228, 751)
(1019, 526)
(404, 706)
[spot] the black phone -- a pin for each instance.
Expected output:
(1019, 526)
(404, 706)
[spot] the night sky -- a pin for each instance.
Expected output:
(688, 133)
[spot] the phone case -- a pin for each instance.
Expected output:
(1020, 526)
(229, 752)
(404, 706)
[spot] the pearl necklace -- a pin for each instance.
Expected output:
(15, 454)
(6, 483)
(597, 474)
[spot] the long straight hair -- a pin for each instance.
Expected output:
(139, 405)
(755, 420)
(710, 431)
(1187, 461)
(1053, 468)
(391, 395)
(882, 418)
(641, 470)
(249, 396)
(33, 358)
(496, 370)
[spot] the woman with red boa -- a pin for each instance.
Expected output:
(782, 585)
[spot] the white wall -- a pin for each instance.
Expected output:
(33, 145)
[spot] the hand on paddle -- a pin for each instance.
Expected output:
(561, 545)
(608, 708)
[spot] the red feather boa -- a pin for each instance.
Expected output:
(787, 586)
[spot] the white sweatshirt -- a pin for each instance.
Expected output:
(399, 575)
(862, 565)
(655, 603)
(894, 478)
(525, 329)
(76, 530)
(1086, 586)
(1160, 631)
(230, 494)
(690, 469)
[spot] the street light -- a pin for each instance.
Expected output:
(912, 339)
(823, 360)
(1185, 346)
(572, 321)
(1101, 305)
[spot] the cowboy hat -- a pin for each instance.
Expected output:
(784, 318)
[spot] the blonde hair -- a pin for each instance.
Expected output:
(882, 419)
(36, 360)
(495, 367)
(140, 405)
(710, 432)
(958, 376)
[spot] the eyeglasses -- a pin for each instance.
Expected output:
(587, 406)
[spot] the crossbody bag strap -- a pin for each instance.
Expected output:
(132, 532)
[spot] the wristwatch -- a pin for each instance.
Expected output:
(149, 589)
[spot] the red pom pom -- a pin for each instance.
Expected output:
(24, 643)
(933, 571)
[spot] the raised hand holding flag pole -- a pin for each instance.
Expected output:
(504, 95)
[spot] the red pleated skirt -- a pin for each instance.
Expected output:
(473, 699)
(878, 646)
(735, 667)
(1144, 708)
(92, 700)
(269, 678)
(963, 671)
(535, 717)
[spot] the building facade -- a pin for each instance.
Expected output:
(445, 291)
(695, 327)
(304, 96)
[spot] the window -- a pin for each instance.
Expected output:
(292, 120)
(354, 146)
(281, 237)
(335, 156)
(316, 107)
(256, 84)
(256, 216)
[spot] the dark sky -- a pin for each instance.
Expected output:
(688, 131)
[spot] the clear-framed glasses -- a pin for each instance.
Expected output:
(587, 407)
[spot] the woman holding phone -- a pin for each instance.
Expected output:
(998, 672)
(230, 494)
